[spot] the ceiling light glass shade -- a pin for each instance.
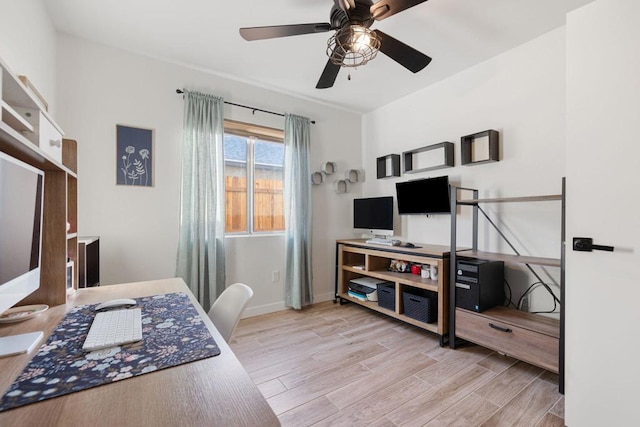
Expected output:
(353, 46)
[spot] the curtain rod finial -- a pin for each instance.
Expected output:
(179, 91)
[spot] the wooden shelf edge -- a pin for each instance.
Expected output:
(546, 198)
(521, 259)
(14, 119)
(16, 145)
(431, 327)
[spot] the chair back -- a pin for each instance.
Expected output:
(228, 307)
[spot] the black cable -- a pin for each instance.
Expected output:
(530, 289)
(509, 301)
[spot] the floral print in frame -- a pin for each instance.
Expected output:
(134, 157)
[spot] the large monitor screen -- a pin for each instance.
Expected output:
(424, 196)
(374, 215)
(21, 203)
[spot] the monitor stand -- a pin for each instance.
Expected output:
(17, 344)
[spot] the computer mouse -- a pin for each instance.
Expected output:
(409, 245)
(116, 303)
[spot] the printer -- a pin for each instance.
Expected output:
(365, 288)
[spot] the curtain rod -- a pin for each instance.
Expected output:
(253, 109)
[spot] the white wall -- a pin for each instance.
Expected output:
(100, 87)
(520, 93)
(27, 44)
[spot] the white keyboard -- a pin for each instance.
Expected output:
(112, 328)
(388, 242)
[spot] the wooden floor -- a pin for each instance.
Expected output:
(344, 365)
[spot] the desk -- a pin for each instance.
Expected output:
(214, 391)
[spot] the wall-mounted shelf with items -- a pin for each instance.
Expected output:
(432, 160)
(530, 337)
(388, 166)
(29, 134)
(358, 259)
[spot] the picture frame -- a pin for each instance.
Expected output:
(134, 156)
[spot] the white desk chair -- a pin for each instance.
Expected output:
(228, 307)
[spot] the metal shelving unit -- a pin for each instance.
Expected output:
(531, 319)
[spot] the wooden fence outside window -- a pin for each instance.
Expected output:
(268, 205)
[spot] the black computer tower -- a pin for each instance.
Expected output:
(479, 284)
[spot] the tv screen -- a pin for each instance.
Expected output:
(21, 198)
(424, 196)
(375, 215)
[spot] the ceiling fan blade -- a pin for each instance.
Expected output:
(345, 4)
(386, 8)
(271, 32)
(329, 75)
(404, 55)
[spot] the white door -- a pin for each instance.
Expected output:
(603, 202)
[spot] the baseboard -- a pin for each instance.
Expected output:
(279, 306)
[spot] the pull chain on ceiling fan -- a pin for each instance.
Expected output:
(353, 44)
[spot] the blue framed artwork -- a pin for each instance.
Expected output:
(134, 156)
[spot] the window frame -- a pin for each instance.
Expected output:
(252, 132)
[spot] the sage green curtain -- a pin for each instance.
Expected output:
(298, 212)
(200, 260)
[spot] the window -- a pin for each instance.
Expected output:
(254, 173)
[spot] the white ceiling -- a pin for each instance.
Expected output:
(204, 33)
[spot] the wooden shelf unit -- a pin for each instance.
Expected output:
(533, 338)
(356, 259)
(19, 139)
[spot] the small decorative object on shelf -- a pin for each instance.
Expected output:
(317, 178)
(340, 186)
(329, 168)
(388, 166)
(352, 175)
(410, 158)
(481, 147)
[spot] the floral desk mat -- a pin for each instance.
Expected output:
(173, 333)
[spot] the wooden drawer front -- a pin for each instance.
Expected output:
(524, 344)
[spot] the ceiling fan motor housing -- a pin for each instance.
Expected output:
(360, 15)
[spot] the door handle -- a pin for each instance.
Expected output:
(585, 244)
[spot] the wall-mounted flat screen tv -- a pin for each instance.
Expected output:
(374, 215)
(424, 196)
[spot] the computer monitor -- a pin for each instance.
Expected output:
(373, 215)
(21, 209)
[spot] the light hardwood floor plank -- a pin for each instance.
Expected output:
(308, 413)
(378, 405)
(473, 410)
(359, 390)
(331, 365)
(550, 420)
(509, 383)
(425, 407)
(527, 408)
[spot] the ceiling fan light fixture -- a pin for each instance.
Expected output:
(353, 46)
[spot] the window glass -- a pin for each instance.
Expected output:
(254, 173)
(268, 203)
(235, 173)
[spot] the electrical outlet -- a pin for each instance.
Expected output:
(275, 276)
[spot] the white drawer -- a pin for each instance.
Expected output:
(50, 139)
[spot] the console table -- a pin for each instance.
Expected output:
(356, 259)
(213, 391)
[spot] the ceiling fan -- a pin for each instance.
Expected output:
(353, 43)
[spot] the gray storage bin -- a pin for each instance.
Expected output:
(421, 307)
(387, 295)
